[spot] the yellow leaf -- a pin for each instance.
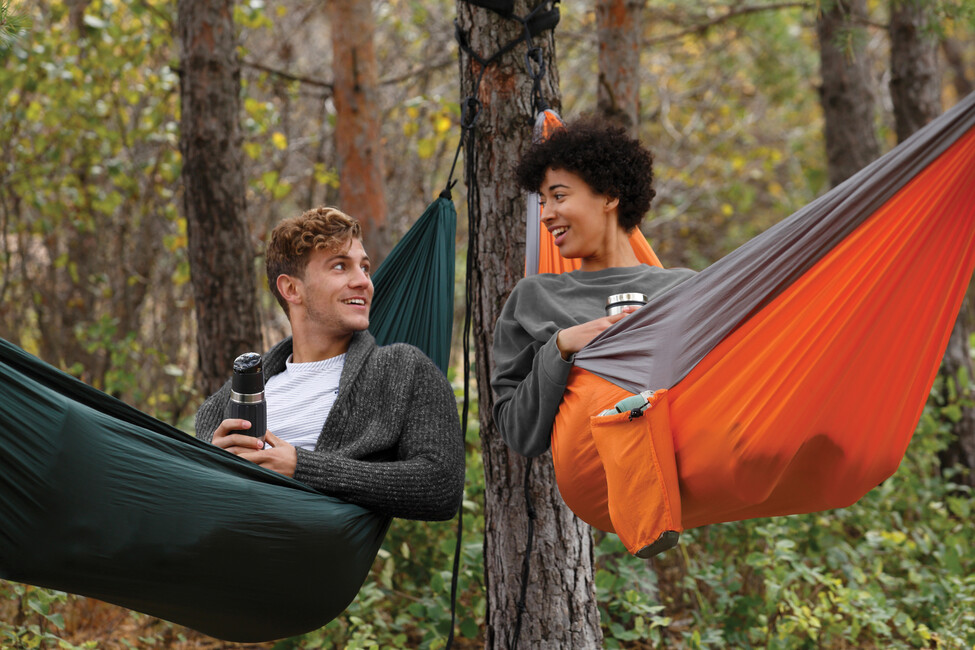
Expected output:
(279, 140)
(425, 148)
(33, 111)
(727, 210)
(281, 190)
(252, 149)
(443, 124)
(252, 106)
(326, 176)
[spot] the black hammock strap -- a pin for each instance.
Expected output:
(539, 20)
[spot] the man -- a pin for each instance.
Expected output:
(374, 426)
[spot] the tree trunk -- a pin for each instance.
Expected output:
(618, 29)
(915, 88)
(956, 63)
(561, 607)
(358, 142)
(220, 251)
(915, 80)
(846, 94)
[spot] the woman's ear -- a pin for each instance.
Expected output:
(612, 202)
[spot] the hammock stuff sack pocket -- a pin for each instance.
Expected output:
(100, 499)
(797, 367)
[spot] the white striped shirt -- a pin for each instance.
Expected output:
(300, 398)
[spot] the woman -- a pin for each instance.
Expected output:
(595, 186)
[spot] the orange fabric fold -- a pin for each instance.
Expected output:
(616, 472)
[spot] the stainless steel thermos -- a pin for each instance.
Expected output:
(247, 394)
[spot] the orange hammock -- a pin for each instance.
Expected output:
(788, 376)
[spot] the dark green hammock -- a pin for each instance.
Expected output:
(100, 499)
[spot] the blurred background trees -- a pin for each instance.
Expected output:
(741, 101)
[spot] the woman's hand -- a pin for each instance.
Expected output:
(572, 339)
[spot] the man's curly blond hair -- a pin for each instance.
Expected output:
(293, 240)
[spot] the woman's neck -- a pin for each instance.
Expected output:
(617, 253)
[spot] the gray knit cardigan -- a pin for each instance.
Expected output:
(392, 441)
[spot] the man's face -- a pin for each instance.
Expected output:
(337, 289)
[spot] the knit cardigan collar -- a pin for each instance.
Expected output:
(360, 347)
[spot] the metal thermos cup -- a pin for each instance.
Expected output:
(616, 302)
(247, 394)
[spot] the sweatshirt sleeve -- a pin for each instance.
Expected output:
(426, 479)
(529, 379)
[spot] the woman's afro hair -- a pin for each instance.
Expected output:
(604, 156)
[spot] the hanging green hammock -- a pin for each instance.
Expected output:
(100, 499)
(406, 290)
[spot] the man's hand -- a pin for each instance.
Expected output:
(236, 443)
(280, 456)
(572, 339)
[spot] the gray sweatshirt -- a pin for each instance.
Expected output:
(530, 374)
(392, 441)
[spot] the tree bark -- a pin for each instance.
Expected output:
(846, 93)
(956, 63)
(358, 141)
(618, 29)
(915, 79)
(561, 607)
(220, 251)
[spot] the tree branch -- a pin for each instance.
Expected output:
(329, 86)
(288, 76)
(416, 72)
(730, 14)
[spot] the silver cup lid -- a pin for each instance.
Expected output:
(617, 298)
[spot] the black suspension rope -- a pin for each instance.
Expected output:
(526, 561)
(470, 111)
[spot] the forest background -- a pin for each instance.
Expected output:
(96, 279)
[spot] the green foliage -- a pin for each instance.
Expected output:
(38, 623)
(12, 25)
(92, 244)
(734, 123)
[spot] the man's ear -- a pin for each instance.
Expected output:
(288, 288)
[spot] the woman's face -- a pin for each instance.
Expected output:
(583, 223)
